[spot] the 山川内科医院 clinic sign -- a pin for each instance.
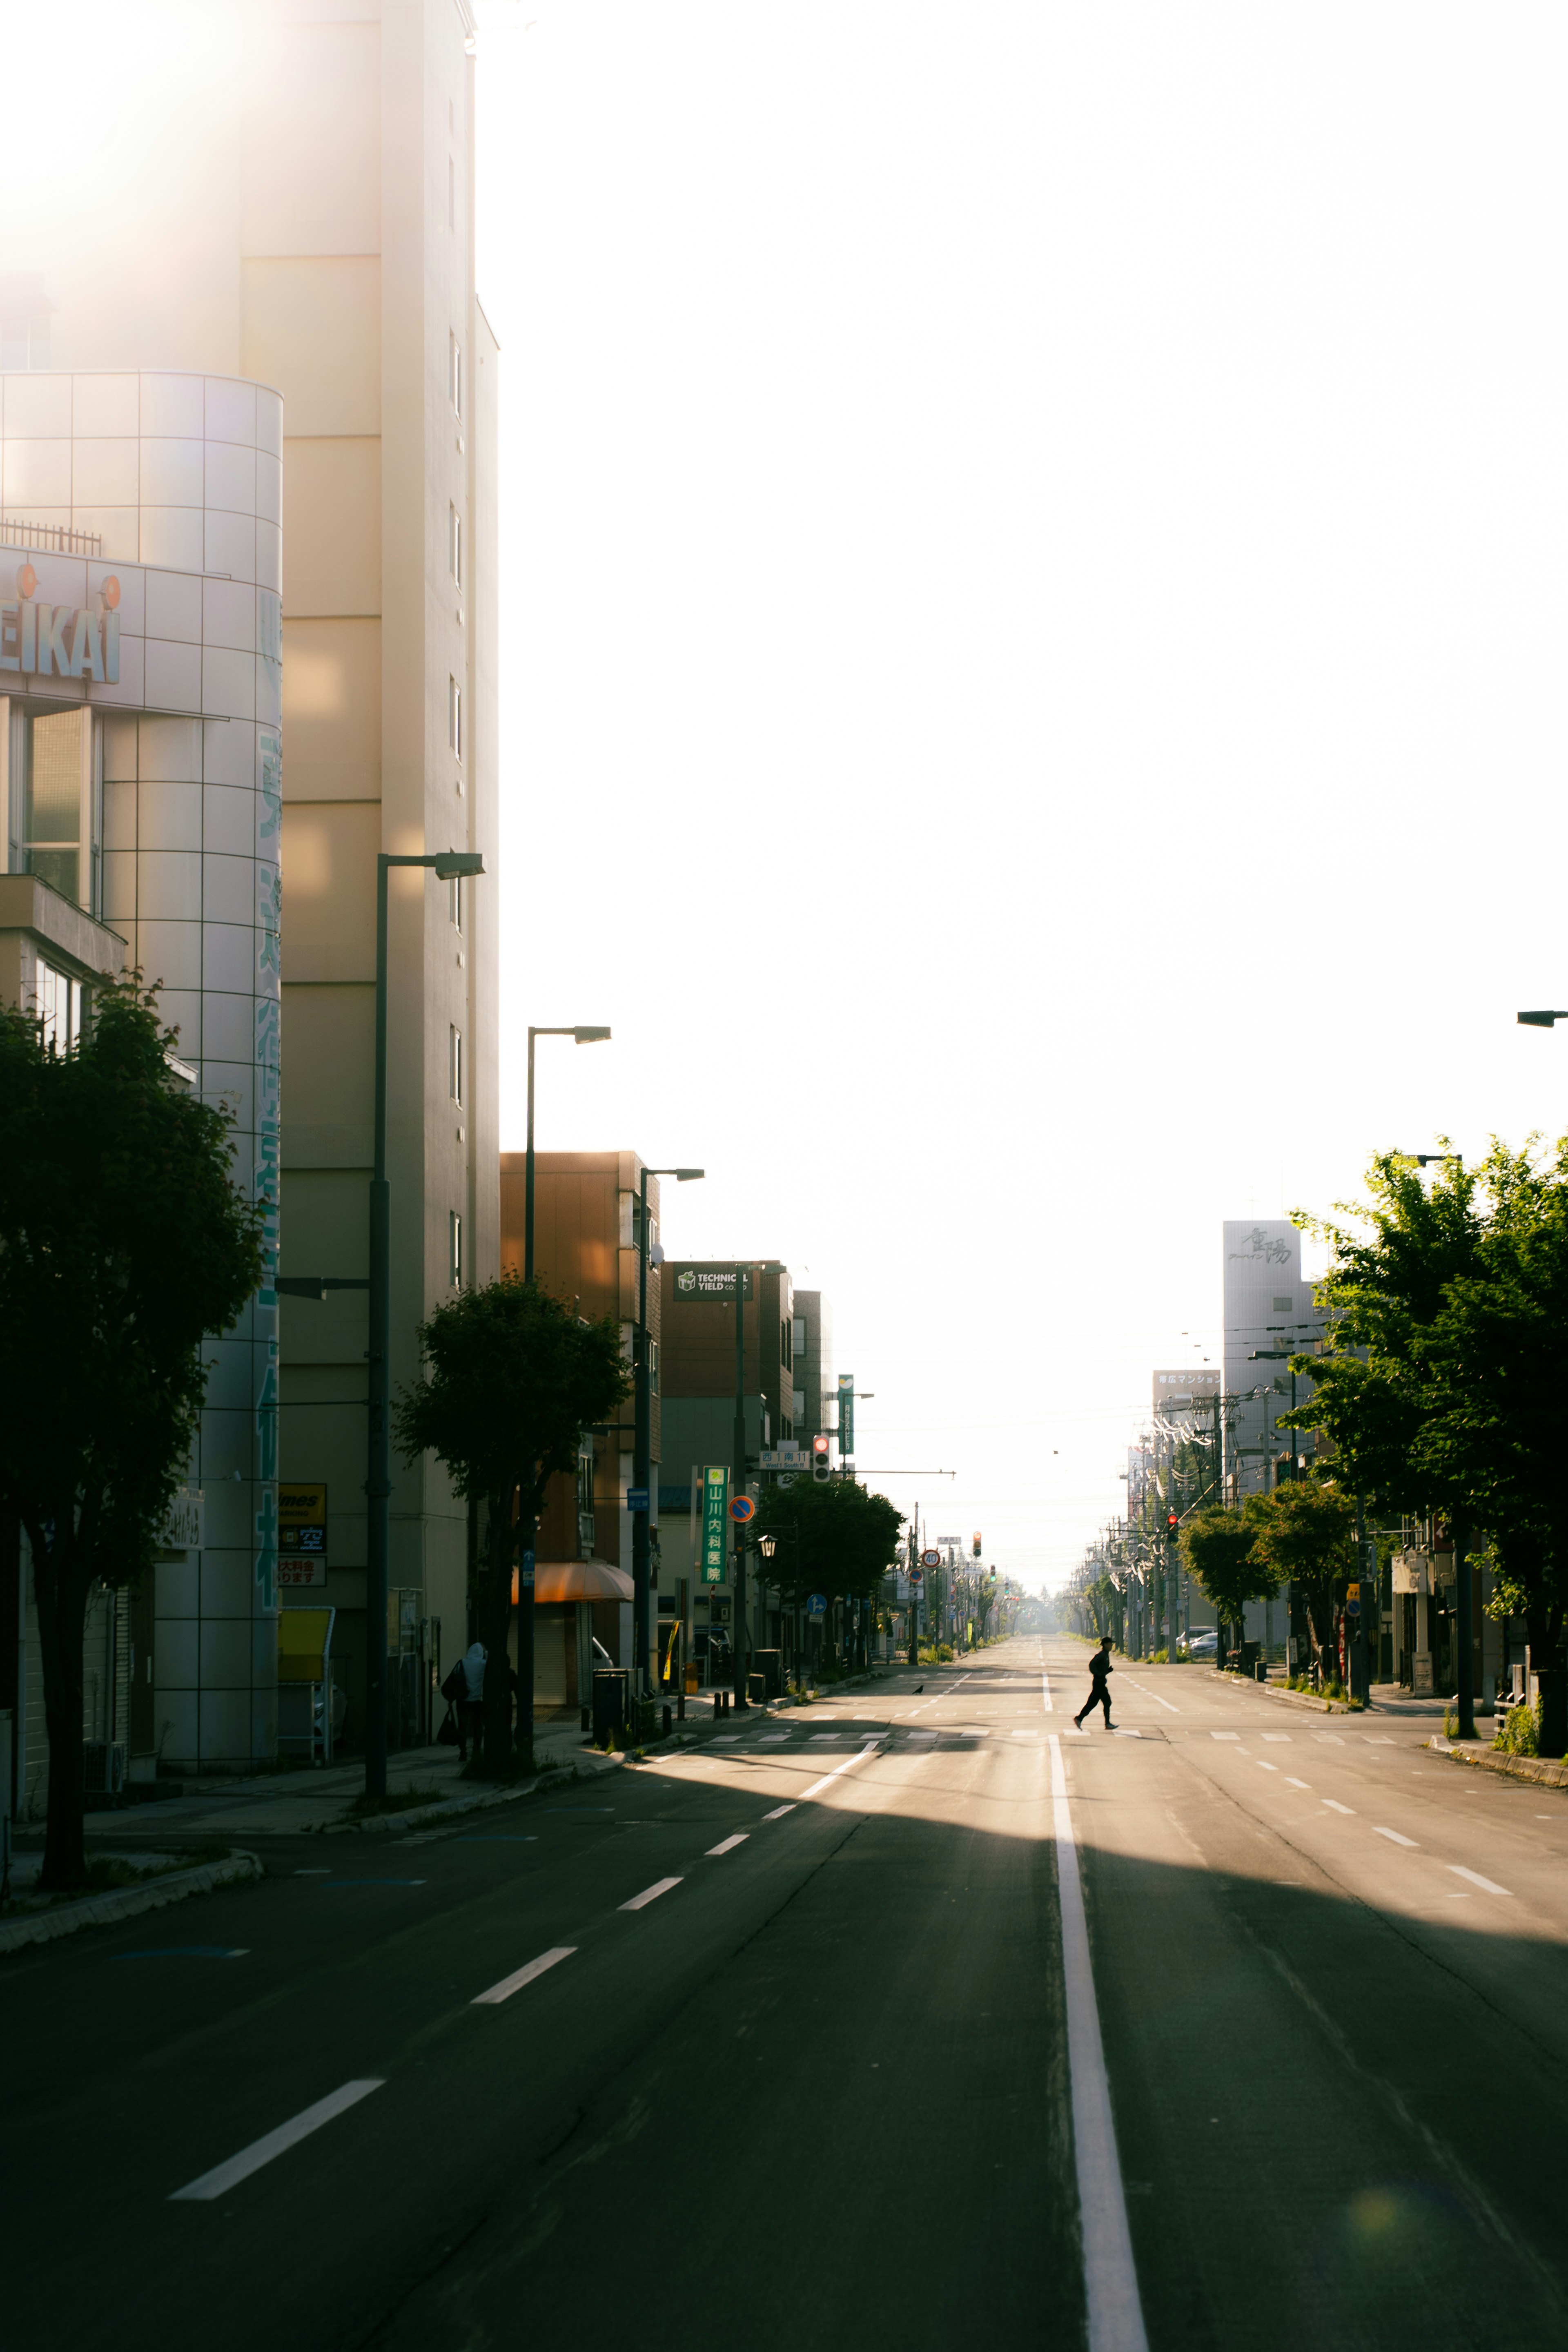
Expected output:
(40, 640)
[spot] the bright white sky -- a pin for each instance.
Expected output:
(1034, 611)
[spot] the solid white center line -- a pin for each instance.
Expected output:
(1290, 1783)
(1111, 2281)
(1335, 1807)
(1487, 1886)
(649, 1893)
(250, 2159)
(1394, 1837)
(828, 1778)
(778, 1813)
(728, 1845)
(497, 1994)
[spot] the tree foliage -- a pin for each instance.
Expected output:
(1305, 1531)
(837, 1540)
(1441, 1388)
(123, 1240)
(1220, 1549)
(512, 1378)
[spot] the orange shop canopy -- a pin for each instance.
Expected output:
(576, 1580)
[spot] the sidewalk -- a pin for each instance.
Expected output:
(297, 1803)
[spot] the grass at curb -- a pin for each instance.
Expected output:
(126, 1903)
(447, 1809)
(1541, 1771)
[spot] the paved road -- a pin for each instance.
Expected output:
(800, 2036)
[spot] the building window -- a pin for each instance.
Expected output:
(454, 544)
(451, 192)
(57, 799)
(59, 1009)
(455, 374)
(456, 1065)
(455, 716)
(455, 1226)
(798, 1342)
(455, 901)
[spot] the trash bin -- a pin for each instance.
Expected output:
(770, 1665)
(756, 1689)
(611, 1685)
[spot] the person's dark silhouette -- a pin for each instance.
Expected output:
(1099, 1667)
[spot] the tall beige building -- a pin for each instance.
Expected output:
(308, 230)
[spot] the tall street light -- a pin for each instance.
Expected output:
(448, 865)
(642, 1442)
(578, 1037)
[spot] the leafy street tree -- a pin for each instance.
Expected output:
(1457, 1298)
(1220, 1550)
(512, 1378)
(123, 1240)
(837, 1540)
(1305, 1530)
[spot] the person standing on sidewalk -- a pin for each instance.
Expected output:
(1099, 1667)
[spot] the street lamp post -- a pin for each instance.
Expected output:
(579, 1037)
(642, 1463)
(448, 866)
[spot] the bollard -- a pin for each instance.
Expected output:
(667, 1730)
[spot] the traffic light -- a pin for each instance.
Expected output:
(820, 1472)
(1173, 1524)
(975, 1543)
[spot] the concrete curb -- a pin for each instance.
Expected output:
(447, 1809)
(127, 1901)
(1541, 1770)
(1309, 1699)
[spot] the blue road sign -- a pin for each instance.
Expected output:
(636, 1498)
(816, 1605)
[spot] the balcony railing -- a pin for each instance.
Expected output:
(49, 538)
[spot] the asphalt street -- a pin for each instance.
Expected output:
(917, 2017)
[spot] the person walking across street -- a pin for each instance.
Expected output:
(471, 1714)
(1099, 1667)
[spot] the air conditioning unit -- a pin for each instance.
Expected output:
(104, 1767)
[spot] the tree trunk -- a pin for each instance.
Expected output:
(62, 1627)
(1545, 1633)
(1319, 1599)
(495, 1610)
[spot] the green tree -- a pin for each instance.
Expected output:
(511, 1380)
(1220, 1549)
(837, 1540)
(1305, 1530)
(123, 1241)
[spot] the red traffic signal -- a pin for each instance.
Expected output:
(976, 1539)
(1172, 1523)
(820, 1472)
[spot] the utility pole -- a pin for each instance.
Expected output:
(913, 1587)
(737, 1606)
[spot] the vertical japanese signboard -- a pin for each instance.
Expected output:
(716, 1525)
(846, 1416)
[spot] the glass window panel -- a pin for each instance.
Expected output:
(53, 777)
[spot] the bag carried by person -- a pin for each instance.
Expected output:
(454, 1689)
(447, 1735)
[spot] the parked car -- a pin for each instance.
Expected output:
(1201, 1645)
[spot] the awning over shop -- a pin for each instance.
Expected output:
(576, 1580)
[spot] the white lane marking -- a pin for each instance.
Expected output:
(985, 1734)
(725, 1738)
(250, 2159)
(1278, 1739)
(1045, 1692)
(1394, 1837)
(1378, 1739)
(649, 1893)
(1122, 1731)
(1111, 2281)
(1263, 1764)
(1291, 1784)
(1155, 1696)
(778, 1813)
(1335, 1807)
(771, 1738)
(847, 1766)
(1487, 1886)
(497, 1994)
(728, 1845)
(1333, 1738)
(1224, 1735)
(1026, 1734)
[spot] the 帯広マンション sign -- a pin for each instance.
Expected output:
(714, 1535)
(40, 640)
(710, 1281)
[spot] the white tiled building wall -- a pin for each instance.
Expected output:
(180, 477)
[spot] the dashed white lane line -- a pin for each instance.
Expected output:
(1291, 1784)
(1394, 1837)
(1263, 1765)
(1276, 1738)
(1155, 1696)
(497, 1994)
(1224, 1735)
(223, 2177)
(828, 1778)
(1487, 1886)
(778, 1813)
(728, 1845)
(649, 1893)
(1335, 1807)
(1111, 2281)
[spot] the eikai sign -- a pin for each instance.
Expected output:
(40, 640)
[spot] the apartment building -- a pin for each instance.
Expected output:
(255, 388)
